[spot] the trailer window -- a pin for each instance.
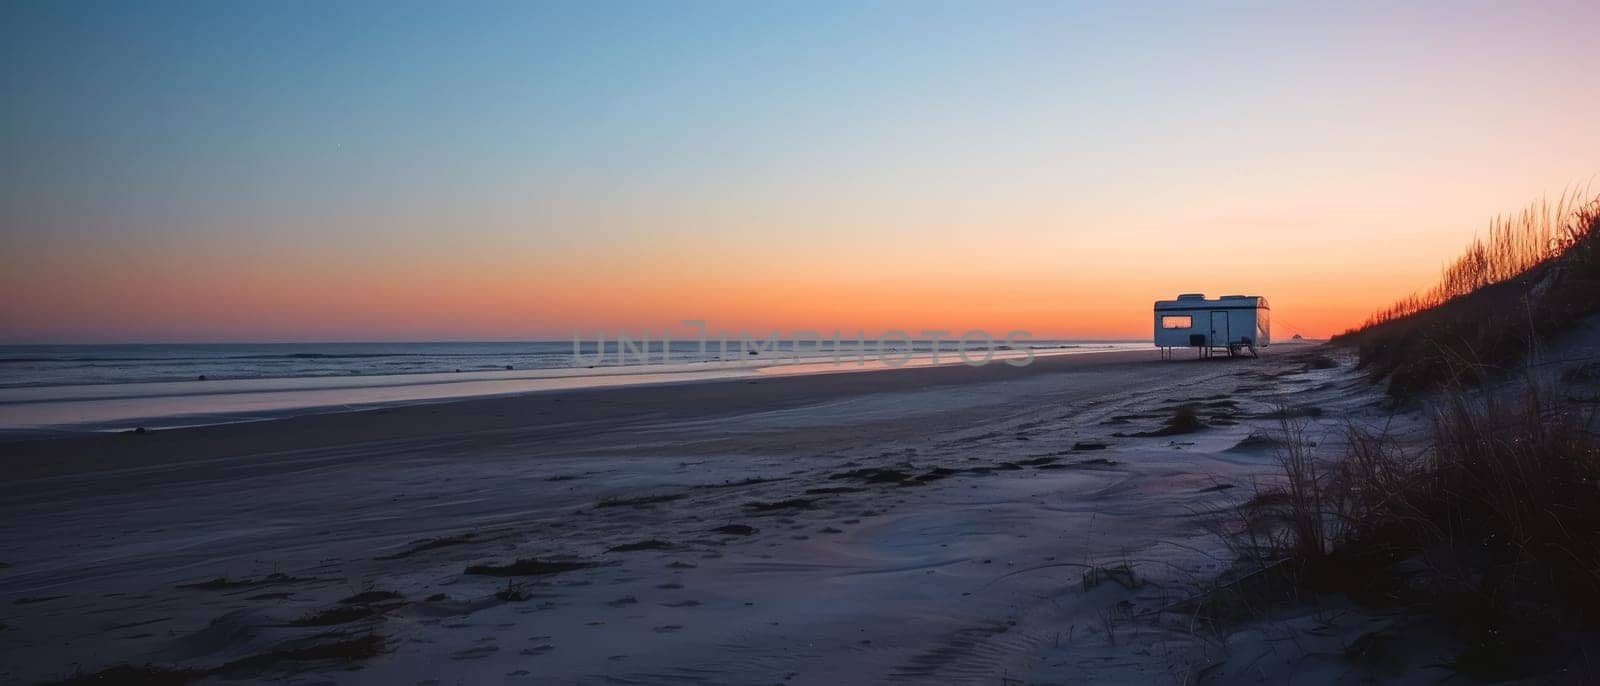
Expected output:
(1177, 321)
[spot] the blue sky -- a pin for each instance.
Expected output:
(303, 140)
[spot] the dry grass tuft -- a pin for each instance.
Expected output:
(1185, 420)
(1494, 526)
(1514, 245)
(1535, 276)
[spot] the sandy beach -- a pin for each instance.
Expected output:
(955, 524)
(429, 344)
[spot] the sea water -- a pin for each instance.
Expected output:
(114, 387)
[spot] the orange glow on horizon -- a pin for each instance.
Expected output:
(1044, 276)
(172, 298)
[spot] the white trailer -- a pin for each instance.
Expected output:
(1231, 323)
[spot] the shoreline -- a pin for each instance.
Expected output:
(73, 453)
(26, 410)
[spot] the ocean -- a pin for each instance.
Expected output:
(111, 387)
(61, 365)
(67, 365)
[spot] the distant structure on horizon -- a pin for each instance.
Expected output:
(1231, 323)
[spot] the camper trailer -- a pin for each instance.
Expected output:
(1231, 324)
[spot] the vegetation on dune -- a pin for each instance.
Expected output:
(1515, 244)
(1534, 276)
(1490, 520)
(1492, 524)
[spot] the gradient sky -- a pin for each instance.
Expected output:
(387, 171)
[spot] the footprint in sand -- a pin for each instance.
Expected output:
(682, 603)
(667, 629)
(538, 649)
(624, 601)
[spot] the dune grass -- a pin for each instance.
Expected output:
(1514, 244)
(1493, 526)
(1535, 275)
(1491, 522)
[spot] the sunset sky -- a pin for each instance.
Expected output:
(275, 171)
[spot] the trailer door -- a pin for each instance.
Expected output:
(1219, 328)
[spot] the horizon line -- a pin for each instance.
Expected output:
(586, 339)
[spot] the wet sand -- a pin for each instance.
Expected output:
(531, 417)
(953, 524)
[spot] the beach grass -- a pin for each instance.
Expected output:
(1493, 525)
(1535, 275)
(1488, 522)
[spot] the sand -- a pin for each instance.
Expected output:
(947, 524)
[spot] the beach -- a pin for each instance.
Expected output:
(48, 390)
(791, 343)
(953, 523)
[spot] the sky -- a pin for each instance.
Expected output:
(338, 171)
